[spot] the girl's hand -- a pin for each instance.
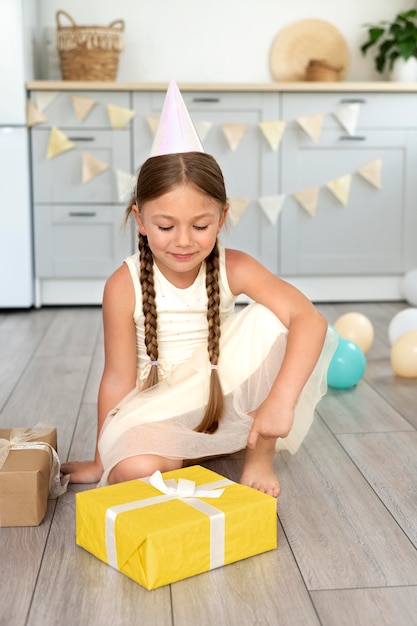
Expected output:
(270, 421)
(82, 471)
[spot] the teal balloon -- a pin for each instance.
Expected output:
(347, 366)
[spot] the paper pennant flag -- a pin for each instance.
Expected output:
(308, 199)
(234, 134)
(271, 206)
(237, 207)
(341, 188)
(372, 173)
(312, 125)
(92, 166)
(45, 98)
(273, 131)
(153, 121)
(125, 185)
(203, 129)
(58, 143)
(82, 106)
(119, 116)
(33, 114)
(347, 115)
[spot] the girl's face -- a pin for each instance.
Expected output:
(181, 227)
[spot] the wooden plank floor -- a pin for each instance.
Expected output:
(348, 510)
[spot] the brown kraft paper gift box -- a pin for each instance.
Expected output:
(25, 477)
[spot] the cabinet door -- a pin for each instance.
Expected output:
(251, 171)
(59, 180)
(368, 235)
(79, 241)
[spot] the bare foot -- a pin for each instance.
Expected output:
(258, 470)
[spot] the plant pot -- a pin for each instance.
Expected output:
(404, 71)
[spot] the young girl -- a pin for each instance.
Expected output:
(185, 377)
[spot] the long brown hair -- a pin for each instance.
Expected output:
(157, 176)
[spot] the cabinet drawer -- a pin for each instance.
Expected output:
(376, 110)
(215, 100)
(60, 112)
(80, 241)
(216, 108)
(59, 180)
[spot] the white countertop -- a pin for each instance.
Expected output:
(383, 86)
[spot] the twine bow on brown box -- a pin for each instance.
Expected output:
(89, 52)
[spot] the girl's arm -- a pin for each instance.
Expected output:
(306, 333)
(119, 374)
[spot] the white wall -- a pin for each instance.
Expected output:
(218, 40)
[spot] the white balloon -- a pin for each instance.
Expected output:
(401, 323)
(409, 287)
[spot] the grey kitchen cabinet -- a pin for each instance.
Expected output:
(78, 227)
(374, 235)
(354, 252)
(250, 171)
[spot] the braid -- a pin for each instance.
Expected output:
(149, 309)
(214, 410)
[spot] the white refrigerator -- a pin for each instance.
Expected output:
(16, 240)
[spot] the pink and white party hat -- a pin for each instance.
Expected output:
(175, 132)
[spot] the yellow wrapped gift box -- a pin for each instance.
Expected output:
(192, 521)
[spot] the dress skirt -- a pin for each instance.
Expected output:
(161, 420)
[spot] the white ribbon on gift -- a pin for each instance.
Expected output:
(24, 439)
(171, 490)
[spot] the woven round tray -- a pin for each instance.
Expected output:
(297, 44)
(89, 52)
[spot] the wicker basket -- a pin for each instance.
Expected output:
(89, 52)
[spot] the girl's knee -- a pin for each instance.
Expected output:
(141, 466)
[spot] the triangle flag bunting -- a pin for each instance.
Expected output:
(125, 185)
(312, 125)
(45, 98)
(340, 188)
(92, 166)
(372, 173)
(33, 114)
(153, 121)
(347, 115)
(58, 143)
(273, 132)
(82, 106)
(271, 206)
(237, 207)
(203, 129)
(234, 134)
(119, 117)
(308, 199)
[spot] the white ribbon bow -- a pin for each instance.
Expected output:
(183, 489)
(25, 439)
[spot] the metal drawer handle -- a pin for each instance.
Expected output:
(353, 101)
(352, 138)
(81, 138)
(206, 99)
(82, 214)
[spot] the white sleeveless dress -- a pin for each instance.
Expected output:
(161, 420)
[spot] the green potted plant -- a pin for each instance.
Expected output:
(396, 41)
